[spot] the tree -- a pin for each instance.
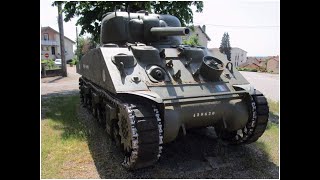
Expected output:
(84, 45)
(61, 33)
(192, 40)
(225, 47)
(91, 12)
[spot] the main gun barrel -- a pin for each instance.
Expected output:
(170, 31)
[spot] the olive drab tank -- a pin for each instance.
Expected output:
(144, 86)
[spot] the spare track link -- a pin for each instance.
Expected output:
(145, 143)
(257, 123)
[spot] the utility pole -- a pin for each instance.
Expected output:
(63, 57)
(77, 43)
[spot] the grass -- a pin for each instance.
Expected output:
(273, 106)
(269, 141)
(63, 139)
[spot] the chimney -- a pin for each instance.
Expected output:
(204, 28)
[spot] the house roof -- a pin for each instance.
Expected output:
(202, 30)
(48, 27)
(238, 48)
(276, 58)
(263, 58)
(245, 65)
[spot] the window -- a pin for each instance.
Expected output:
(46, 36)
(53, 50)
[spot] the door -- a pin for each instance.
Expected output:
(53, 50)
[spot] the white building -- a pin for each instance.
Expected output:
(200, 33)
(50, 44)
(238, 56)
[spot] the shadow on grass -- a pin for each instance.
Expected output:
(273, 117)
(199, 154)
(64, 109)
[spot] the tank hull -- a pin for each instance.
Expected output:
(146, 93)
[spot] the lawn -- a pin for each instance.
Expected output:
(64, 149)
(269, 141)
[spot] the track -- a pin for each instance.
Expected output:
(256, 125)
(137, 131)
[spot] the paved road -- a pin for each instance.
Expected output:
(267, 83)
(61, 85)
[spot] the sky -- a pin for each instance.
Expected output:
(253, 25)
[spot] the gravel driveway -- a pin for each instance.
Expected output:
(197, 155)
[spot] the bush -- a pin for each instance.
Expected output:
(49, 64)
(74, 61)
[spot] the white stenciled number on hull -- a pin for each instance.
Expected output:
(199, 114)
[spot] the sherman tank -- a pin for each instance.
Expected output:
(146, 87)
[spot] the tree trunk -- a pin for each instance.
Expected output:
(63, 57)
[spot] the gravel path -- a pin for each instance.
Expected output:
(198, 155)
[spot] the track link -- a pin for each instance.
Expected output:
(139, 127)
(256, 125)
(142, 139)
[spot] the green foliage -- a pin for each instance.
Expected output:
(84, 45)
(192, 28)
(91, 12)
(49, 64)
(225, 46)
(193, 41)
(74, 61)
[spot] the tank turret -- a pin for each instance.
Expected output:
(121, 28)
